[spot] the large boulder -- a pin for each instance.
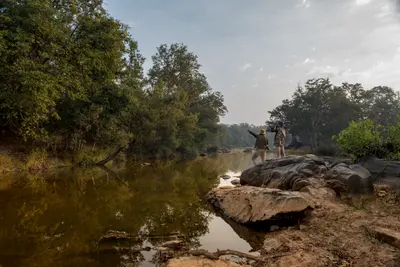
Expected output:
(250, 204)
(288, 173)
(349, 178)
(382, 171)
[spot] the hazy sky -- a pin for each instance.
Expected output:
(256, 52)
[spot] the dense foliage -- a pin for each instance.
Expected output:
(71, 76)
(319, 110)
(368, 138)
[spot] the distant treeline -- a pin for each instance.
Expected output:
(236, 135)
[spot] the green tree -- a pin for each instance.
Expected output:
(358, 139)
(181, 92)
(71, 76)
(318, 110)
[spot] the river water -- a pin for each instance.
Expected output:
(56, 218)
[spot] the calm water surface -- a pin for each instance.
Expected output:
(57, 218)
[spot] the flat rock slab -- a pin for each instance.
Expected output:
(288, 173)
(386, 235)
(248, 204)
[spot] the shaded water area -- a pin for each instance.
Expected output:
(56, 218)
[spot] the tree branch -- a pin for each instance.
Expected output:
(219, 253)
(110, 157)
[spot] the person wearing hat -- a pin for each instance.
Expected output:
(261, 145)
(279, 140)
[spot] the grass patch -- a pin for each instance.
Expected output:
(37, 159)
(6, 163)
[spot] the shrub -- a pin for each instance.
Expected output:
(359, 139)
(393, 136)
(36, 159)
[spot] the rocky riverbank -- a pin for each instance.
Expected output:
(317, 212)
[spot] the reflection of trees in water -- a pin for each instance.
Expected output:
(57, 220)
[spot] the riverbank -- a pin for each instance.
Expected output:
(16, 158)
(312, 213)
(339, 233)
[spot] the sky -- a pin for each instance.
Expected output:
(257, 52)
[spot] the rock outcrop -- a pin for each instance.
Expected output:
(279, 189)
(250, 204)
(289, 173)
(349, 178)
(382, 171)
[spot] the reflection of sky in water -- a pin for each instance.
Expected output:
(227, 182)
(221, 236)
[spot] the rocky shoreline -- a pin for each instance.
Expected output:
(318, 212)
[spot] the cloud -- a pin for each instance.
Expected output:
(325, 71)
(246, 66)
(308, 61)
(362, 2)
(255, 85)
(261, 69)
(271, 76)
(384, 12)
(380, 73)
(304, 3)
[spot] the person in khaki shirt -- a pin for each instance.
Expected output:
(279, 140)
(261, 145)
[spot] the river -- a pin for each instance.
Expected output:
(55, 218)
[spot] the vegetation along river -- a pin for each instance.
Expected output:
(57, 218)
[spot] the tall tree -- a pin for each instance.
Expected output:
(179, 72)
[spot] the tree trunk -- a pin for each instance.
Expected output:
(110, 157)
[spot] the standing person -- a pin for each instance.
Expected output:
(261, 145)
(279, 142)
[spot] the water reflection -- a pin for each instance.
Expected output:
(56, 219)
